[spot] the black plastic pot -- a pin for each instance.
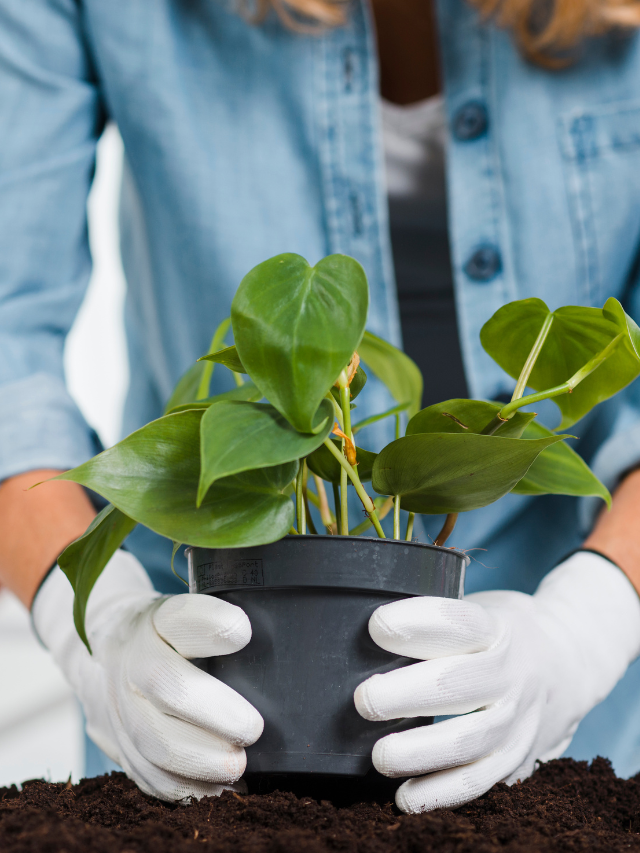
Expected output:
(309, 599)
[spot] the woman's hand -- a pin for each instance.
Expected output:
(519, 671)
(176, 731)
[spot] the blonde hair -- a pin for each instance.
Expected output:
(546, 31)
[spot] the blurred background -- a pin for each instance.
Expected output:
(40, 721)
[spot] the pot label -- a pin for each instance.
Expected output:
(233, 573)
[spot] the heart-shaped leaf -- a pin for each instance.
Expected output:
(395, 369)
(559, 470)
(84, 560)
(152, 476)
(247, 391)
(439, 473)
(236, 436)
(324, 464)
(576, 335)
(296, 327)
(466, 416)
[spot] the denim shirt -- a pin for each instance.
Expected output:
(245, 141)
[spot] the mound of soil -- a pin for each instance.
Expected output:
(565, 806)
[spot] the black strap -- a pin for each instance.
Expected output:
(589, 551)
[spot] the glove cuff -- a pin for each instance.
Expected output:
(52, 607)
(595, 603)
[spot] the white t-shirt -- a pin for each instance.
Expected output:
(414, 139)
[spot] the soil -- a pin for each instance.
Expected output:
(564, 806)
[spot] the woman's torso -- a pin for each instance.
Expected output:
(243, 142)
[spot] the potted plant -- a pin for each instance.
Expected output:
(233, 478)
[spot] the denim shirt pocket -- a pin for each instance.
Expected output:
(600, 147)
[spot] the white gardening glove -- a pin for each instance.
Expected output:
(529, 666)
(176, 731)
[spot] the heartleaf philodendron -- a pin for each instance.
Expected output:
(152, 476)
(325, 465)
(466, 416)
(84, 560)
(575, 335)
(238, 436)
(296, 327)
(436, 473)
(239, 468)
(228, 356)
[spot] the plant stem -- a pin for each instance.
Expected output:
(337, 411)
(345, 405)
(326, 515)
(384, 507)
(353, 476)
(300, 513)
(510, 409)
(447, 528)
(396, 517)
(374, 418)
(305, 495)
(529, 364)
(494, 425)
(336, 504)
(397, 427)
(410, 521)
(293, 531)
(344, 500)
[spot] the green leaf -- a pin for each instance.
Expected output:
(439, 473)
(395, 369)
(559, 470)
(296, 327)
(194, 383)
(576, 335)
(228, 356)
(247, 391)
(454, 415)
(326, 466)
(236, 436)
(152, 476)
(357, 384)
(84, 560)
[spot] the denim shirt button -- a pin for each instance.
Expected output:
(484, 264)
(470, 122)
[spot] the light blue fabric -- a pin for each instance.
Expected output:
(245, 141)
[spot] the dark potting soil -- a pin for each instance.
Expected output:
(564, 806)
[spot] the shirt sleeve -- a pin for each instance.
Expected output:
(51, 116)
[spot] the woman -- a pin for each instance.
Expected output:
(243, 141)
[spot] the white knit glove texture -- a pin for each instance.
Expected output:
(521, 671)
(175, 730)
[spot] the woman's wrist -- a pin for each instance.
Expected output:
(616, 534)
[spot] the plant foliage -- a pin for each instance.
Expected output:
(235, 469)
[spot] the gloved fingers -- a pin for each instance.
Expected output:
(164, 784)
(458, 785)
(426, 627)
(451, 685)
(449, 743)
(201, 626)
(178, 688)
(180, 747)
